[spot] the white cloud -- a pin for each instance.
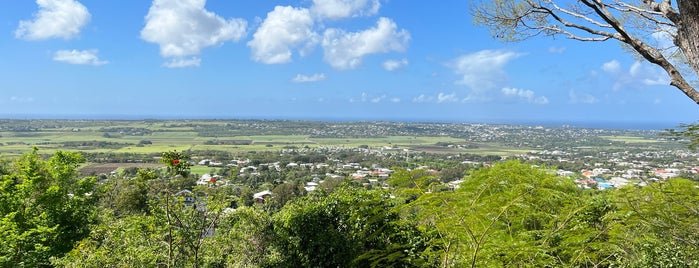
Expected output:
(422, 98)
(527, 95)
(284, 29)
(366, 97)
(639, 73)
(184, 27)
(612, 66)
(576, 97)
(339, 9)
(83, 57)
(482, 70)
(55, 19)
(346, 50)
(300, 78)
(440, 98)
(183, 62)
(378, 99)
(392, 65)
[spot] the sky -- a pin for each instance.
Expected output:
(311, 59)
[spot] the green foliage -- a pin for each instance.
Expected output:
(686, 132)
(244, 238)
(348, 227)
(177, 163)
(132, 241)
(410, 184)
(510, 214)
(659, 223)
(44, 209)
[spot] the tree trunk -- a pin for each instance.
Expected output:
(688, 31)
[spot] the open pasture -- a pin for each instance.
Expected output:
(153, 137)
(629, 139)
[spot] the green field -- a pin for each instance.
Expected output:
(629, 139)
(139, 137)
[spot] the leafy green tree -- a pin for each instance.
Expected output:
(244, 238)
(410, 184)
(130, 241)
(174, 233)
(658, 223)
(44, 209)
(348, 227)
(685, 132)
(509, 215)
(283, 193)
(133, 194)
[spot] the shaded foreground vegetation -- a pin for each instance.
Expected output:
(510, 214)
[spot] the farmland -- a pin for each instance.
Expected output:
(153, 137)
(114, 144)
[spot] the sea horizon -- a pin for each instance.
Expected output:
(600, 124)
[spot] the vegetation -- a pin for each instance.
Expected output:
(511, 214)
(445, 209)
(638, 25)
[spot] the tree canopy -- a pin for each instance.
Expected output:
(644, 26)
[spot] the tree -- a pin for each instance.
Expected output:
(633, 23)
(350, 227)
(44, 209)
(511, 215)
(660, 224)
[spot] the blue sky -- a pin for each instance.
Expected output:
(311, 59)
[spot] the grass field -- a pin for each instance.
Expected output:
(629, 139)
(166, 137)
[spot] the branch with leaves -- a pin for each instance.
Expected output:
(601, 20)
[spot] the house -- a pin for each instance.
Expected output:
(310, 186)
(261, 197)
(453, 185)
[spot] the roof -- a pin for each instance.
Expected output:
(262, 194)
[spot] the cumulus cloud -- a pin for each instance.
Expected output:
(527, 95)
(184, 27)
(284, 29)
(638, 74)
(346, 50)
(82, 57)
(392, 65)
(482, 70)
(612, 66)
(339, 9)
(300, 78)
(55, 19)
(649, 75)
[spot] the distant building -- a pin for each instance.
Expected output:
(261, 197)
